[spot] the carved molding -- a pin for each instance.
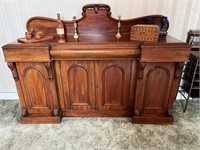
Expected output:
(141, 70)
(56, 112)
(24, 112)
(96, 8)
(137, 112)
(13, 69)
(178, 70)
(49, 69)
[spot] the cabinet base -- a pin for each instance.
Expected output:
(40, 120)
(152, 120)
(79, 113)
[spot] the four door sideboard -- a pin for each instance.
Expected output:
(97, 76)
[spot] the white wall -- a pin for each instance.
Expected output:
(183, 15)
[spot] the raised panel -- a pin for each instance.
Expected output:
(153, 88)
(39, 92)
(157, 83)
(78, 85)
(36, 87)
(113, 84)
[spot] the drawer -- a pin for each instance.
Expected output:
(29, 52)
(164, 54)
(27, 55)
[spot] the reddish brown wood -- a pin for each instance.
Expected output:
(113, 85)
(25, 40)
(161, 120)
(38, 90)
(153, 91)
(13, 69)
(78, 85)
(94, 113)
(175, 86)
(164, 53)
(40, 120)
(94, 51)
(97, 76)
(19, 53)
(96, 17)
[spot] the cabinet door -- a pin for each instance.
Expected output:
(78, 85)
(153, 88)
(38, 88)
(113, 84)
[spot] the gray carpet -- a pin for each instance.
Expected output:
(99, 133)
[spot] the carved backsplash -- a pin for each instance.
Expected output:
(96, 17)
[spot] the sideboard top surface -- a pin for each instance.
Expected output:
(168, 40)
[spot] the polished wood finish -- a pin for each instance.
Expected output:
(153, 89)
(19, 53)
(97, 76)
(113, 84)
(85, 51)
(38, 88)
(78, 85)
(40, 120)
(164, 53)
(104, 29)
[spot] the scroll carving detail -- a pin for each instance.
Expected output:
(13, 69)
(49, 69)
(96, 8)
(141, 70)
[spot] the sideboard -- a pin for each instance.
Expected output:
(97, 76)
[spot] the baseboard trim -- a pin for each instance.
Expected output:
(9, 96)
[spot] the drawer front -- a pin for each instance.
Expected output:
(152, 54)
(27, 55)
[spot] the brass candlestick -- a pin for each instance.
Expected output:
(76, 36)
(118, 35)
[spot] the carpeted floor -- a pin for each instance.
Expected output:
(99, 133)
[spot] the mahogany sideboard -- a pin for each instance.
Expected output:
(97, 76)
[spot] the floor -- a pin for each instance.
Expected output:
(99, 133)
